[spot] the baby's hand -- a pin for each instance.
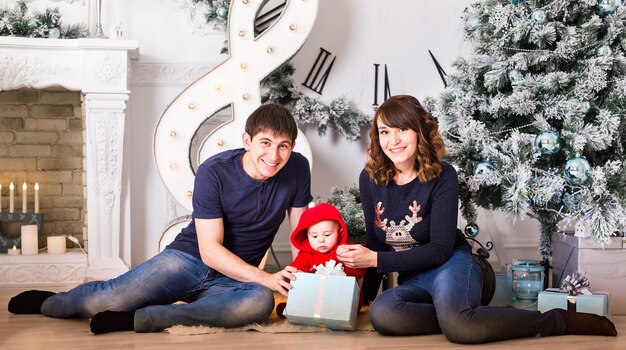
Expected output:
(342, 250)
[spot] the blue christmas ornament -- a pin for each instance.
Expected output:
(484, 167)
(539, 16)
(607, 7)
(472, 23)
(576, 170)
(604, 51)
(548, 143)
(515, 76)
(471, 230)
(54, 33)
(222, 13)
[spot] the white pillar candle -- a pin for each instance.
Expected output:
(24, 190)
(11, 195)
(56, 244)
(14, 251)
(0, 198)
(30, 245)
(36, 197)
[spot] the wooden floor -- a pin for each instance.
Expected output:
(26, 332)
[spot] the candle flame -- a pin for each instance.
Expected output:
(36, 186)
(14, 247)
(11, 186)
(24, 186)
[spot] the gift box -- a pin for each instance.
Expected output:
(598, 303)
(605, 265)
(323, 300)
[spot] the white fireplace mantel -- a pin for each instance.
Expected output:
(99, 69)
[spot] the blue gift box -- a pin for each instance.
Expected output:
(323, 300)
(598, 303)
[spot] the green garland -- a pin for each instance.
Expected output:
(338, 115)
(19, 22)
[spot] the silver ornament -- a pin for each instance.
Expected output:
(515, 76)
(539, 16)
(577, 170)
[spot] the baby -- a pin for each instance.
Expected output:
(320, 232)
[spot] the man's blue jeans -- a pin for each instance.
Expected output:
(447, 299)
(150, 288)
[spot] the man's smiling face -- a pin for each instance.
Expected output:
(267, 154)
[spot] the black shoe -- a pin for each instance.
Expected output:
(111, 321)
(580, 323)
(29, 302)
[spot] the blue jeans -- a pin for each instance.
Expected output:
(150, 289)
(446, 299)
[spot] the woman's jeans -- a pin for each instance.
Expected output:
(150, 289)
(447, 299)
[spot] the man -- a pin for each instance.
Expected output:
(239, 201)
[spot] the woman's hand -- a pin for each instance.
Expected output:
(356, 256)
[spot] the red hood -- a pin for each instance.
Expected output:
(310, 217)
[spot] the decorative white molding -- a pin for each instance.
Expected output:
(108, 70)
(99, 69)
(105, 140)
(167, 74)
(23, 71)
(43, 269)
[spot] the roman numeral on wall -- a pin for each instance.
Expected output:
(316, 79)
(440, 70)
(386, 88)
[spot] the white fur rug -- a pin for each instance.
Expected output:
(273, 325)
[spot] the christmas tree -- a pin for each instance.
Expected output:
(535, 117)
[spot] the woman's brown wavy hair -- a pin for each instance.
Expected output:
(403, 111)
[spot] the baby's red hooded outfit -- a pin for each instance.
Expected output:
(307, 257)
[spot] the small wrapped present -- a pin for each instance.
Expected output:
(597, 302)
(323, 300)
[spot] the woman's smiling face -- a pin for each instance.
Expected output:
(398, 144)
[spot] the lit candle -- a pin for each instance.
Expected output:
(36, 197)
(14, 251)
(30, 246)
(24, 190)
(11, 195)
(0, 198)
(56, 244)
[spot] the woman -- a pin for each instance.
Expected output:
(410, 200)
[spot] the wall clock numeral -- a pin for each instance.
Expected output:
(386, 89)
(313, 80)
(440, 70)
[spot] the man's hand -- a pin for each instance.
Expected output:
(356, 256)
(281, 280)
(342, 249)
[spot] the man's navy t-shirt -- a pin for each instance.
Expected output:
(252, 210)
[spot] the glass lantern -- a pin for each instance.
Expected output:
(527, 280)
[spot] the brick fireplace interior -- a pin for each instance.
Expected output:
(42, 141)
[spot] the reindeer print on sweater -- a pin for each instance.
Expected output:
(398, 236)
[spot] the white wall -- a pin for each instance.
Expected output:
(359, 32)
